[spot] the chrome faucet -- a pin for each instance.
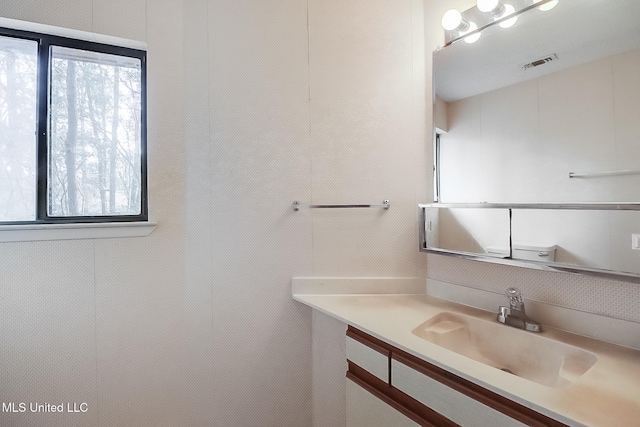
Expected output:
(514, 315)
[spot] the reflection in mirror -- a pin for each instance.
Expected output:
(512, 133)
(547, 111)
(478, 231)
(594, 239)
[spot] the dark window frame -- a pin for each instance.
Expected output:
(45, 41)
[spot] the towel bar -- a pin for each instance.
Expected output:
(603, 173)
(297, 206)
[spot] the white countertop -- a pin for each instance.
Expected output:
(607, 395)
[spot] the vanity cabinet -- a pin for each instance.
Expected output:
(365, 409)
(371, 357)
(368, 374)
(400, 389)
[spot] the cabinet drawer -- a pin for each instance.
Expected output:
(367, 358)
(450, 403)
(366, 410)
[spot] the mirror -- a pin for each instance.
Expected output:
(544, 112)
(597, 239)
(471, 231)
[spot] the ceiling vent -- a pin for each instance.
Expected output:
(541, 61)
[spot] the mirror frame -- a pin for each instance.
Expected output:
(537, 265)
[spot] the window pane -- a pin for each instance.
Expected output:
(18, 76)
(95, 134)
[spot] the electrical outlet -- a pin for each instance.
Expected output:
(635, 242)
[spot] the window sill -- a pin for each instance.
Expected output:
(35, 232)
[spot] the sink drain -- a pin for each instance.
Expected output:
(507, 370)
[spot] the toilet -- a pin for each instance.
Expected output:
(525, 251)
(534, 252)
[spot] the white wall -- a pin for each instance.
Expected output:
(194, 325)
(368, 144)
(247, 159)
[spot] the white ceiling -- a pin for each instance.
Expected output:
(578, 31)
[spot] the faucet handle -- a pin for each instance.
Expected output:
(515, 296)
(503, 314)
(513, 292)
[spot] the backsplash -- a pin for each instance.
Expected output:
(620, 300)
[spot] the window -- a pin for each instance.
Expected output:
(72, 130)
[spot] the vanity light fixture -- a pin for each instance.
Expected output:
(474, 37)
(498, 10)
(509, 10)
(452, 20)
(547, 6)
(468, 25)
(495, 7)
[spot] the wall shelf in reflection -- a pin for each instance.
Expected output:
(589, 238)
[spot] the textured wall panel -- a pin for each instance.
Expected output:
(259, 147)
(121, 18)
(329, 368)
(76, 14)
(595, 295)
(367, 138)
(362, 134)
(198, 224)
(47, 331)
(141, 303)
(422, 113)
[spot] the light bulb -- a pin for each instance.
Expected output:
(473, 38)
(452, 20)
(488, 5)
(509, 9)
(547, 6)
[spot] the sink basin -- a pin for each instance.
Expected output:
(525, 354)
